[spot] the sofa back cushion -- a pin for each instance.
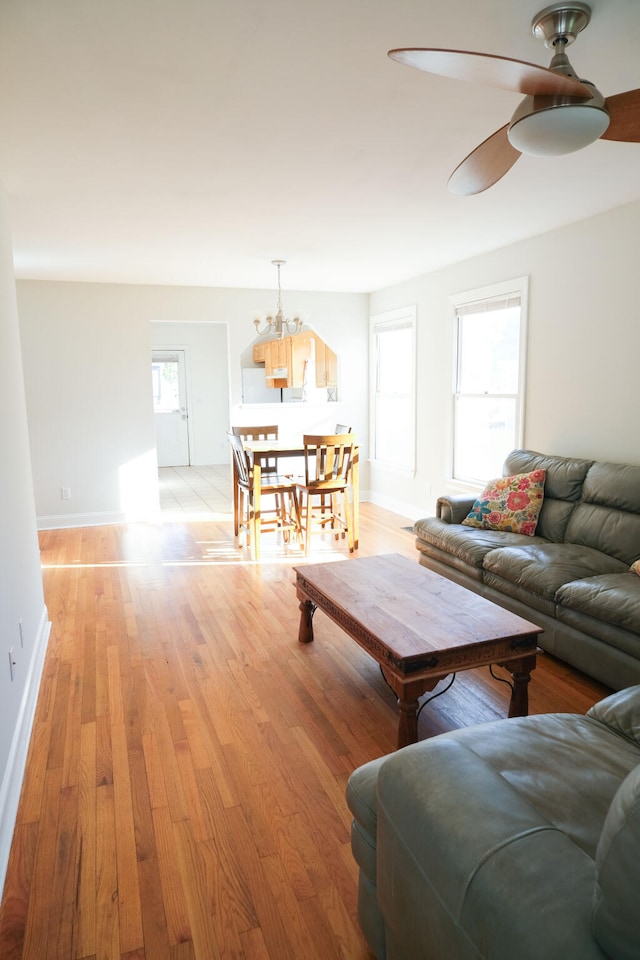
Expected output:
(565, 477)
(615, 907)
(608, 516)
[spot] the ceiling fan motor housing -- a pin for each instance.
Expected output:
(547, 126)
(551, 126)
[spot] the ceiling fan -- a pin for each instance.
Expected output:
(559, 114)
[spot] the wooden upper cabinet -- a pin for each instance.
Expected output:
(259, 352)
(326, 366)
(300, 353)
(277, 359)
(285, 360)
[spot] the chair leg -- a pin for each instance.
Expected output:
(237, 510)
(254, 530)
(281, 513)
(308, 521)
(348, 520)
(298, 517)
(243, 517)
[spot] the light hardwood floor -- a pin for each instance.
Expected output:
(184, 793)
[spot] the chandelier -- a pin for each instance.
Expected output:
(278, 325)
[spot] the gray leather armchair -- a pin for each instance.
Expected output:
(517, 838)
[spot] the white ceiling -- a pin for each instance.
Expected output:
(194, 141)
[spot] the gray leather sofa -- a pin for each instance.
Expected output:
(513, 839)
(572, 577)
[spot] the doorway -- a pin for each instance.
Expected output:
(170, 408)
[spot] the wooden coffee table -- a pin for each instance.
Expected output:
(419, 626)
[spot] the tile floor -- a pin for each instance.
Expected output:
(205, 493)
(196, 492)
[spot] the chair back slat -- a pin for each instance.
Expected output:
(327, 458)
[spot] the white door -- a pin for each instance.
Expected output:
(170, 407)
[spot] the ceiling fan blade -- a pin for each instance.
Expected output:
(624, 111)
(516, 75)
(485, 165)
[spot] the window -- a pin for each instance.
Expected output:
(393, 387)
(164, 373)
(489, 379)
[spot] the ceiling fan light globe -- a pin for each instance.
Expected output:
(557, 129)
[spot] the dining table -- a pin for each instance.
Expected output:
(261, 452)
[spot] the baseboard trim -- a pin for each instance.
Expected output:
(410, 511)
(64, 521)
(14, 774)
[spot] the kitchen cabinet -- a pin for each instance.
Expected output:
(277, 359)
(326, 366)
(285, 360)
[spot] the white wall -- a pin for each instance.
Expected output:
(21, 594)
(87, 351)
(87, 368)
(207, 363)
(583, 349)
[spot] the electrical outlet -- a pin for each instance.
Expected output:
(65, 493)
(12, 664)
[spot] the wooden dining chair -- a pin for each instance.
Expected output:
(284, 515)
(269, 466)
(324, 494)
(324, 499)
(260, 433)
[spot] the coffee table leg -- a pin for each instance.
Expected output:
(408, 693)
(407, 722)
(521, 674)
(307, 610)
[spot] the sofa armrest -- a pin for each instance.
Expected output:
(620, 712)
(454, 509)
(466, 864)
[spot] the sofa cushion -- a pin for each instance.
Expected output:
(612, 598)
(562, 490)
(606, 529)
(542, 568)
(608, 518)
(615, 911)
(509, 503)
(615, 485)
(468, 544)
(620, 712)
(564, 475)
(605, 635)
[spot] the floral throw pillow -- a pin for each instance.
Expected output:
(510, 503)
(635, 567)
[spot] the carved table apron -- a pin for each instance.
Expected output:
(419, 626)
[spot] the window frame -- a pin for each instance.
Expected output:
(406, 318)
(518, 286)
